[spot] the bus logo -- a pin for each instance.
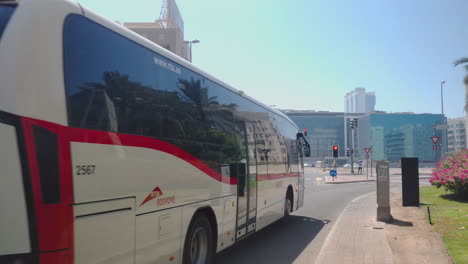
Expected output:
(155, 193)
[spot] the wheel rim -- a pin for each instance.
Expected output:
(288, 206)
(199, 246)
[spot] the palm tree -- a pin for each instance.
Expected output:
(464, 60)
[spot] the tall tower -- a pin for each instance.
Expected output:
(359, 101)
(167, 31)
(170, 17)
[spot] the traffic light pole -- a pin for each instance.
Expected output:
(351, 150)
(371, 161)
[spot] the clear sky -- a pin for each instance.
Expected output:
(306, 54)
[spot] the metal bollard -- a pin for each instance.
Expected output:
(410, 181)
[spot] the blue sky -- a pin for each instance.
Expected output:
(307, 54)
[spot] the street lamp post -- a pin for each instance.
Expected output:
(191, 42)
(443, 119)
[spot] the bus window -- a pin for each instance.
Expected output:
(5, 15)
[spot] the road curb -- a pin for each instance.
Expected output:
(348, 182)
(373, 180)
(334, 228)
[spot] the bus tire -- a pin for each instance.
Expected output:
(199, 244)
(288, 202)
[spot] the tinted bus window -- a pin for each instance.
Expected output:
(5, 15)
(114, 84)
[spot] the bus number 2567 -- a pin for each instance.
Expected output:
(85, 169)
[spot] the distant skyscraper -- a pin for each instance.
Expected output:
(370, 102)
(358, 101)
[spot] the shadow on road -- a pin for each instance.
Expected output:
(281, 242)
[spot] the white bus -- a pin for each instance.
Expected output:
(113, 150)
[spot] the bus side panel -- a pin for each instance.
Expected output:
(105, 232)
(226, 231)
(161, 235)
(158, 179)
(271, 195)
(162, 184)
(158, 237)
(15, 237)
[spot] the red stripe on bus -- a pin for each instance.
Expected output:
(54, 222)
(111, 138)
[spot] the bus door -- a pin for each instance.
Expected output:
(300, 155)
(252, 178)
(246, 186)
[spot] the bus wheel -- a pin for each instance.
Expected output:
(199, 248)
(288, 203)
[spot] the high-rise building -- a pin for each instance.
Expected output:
(370, 102)
(456, 134)
(358, 101)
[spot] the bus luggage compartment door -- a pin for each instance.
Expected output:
(105, 231)
(14, 238)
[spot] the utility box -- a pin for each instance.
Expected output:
(383, 191)
(410, 181)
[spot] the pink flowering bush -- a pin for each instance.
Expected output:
(452, 174)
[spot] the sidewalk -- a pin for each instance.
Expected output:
(345, 175)
(348, 178)
(357, 237)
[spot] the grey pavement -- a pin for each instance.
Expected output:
(356, 236)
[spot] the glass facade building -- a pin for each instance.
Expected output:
(393, 136)
(325, 129)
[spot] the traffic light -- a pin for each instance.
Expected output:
(305, 131)
(335, 151)
(347, 153)
(354, 123)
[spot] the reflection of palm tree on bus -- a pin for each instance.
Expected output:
(216, 119)
(185, 117)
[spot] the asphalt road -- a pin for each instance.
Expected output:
(299, 237)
